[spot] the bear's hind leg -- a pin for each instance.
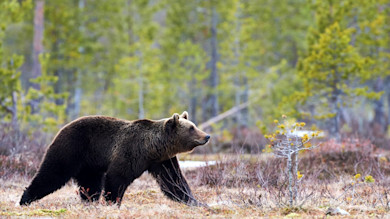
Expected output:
(118, 179)
(115, 187)
(90, 183)
(44, 183)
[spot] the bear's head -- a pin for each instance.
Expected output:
(184, 132)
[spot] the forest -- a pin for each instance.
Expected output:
(261, 76)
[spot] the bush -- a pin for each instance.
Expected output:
(20, 150)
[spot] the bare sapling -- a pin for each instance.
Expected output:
(288, 139)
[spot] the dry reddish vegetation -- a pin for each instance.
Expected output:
(238, 186)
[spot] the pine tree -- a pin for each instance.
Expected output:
(372, 41)
(333, 72)
(183, 70)
(133, 85)
(10, 90)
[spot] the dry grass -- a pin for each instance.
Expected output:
(239, 186)
(143, 199)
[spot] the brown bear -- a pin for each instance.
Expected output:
(99, 151)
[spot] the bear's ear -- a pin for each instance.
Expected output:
(175, 118)
(184, 115)
(173, 121)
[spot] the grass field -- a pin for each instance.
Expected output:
(244, 186)
(142, 199)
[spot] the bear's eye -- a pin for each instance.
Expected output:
(192, 128)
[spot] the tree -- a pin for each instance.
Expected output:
(98, 40)
(183, 58)
(50, 113)
(286, 142)
(214, 78)
(41, 96)
(234, 55)
(372, 41)
(330, 72)
(211, 18)
(38, 39)
(65, 41)
(348, 68)
(11, 90)
(139, 65)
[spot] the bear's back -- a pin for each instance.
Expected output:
(90, 137)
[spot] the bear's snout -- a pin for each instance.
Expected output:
(202, 140)
(206, 139)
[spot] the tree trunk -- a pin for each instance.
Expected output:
(193, 99)
(387, 92)
(295, 173)
(244, 99)
(290, 177)
(141, 110)
(336, 119)
(14, 110)
(236, 63)
(38, 39)
(335, 104)
(78, 91)
(295, 56)
(241, 81)
(237, 96)
(213, 65)
(74, 108)
(379, 110)
(59, 70)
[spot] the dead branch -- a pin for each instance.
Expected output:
(223, 115)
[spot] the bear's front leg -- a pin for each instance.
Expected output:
(172, 181)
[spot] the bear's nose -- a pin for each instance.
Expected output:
(207, 137)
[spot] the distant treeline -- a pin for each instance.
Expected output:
(323, 62)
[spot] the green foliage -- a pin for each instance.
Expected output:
(332, 65)
(139, 64)
(44, 100)
(148, 58)
(183, 59)
(15, 105)
(9, 76)
(13, 11)
(334, 73)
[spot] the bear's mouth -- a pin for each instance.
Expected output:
(203, 141)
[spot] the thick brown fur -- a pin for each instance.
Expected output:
(99, 151)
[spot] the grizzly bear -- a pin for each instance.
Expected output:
(100, 151)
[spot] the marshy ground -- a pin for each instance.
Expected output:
(238, 186)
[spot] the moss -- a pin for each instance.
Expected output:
(36, 212)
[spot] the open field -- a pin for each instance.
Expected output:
(143, 199)
(240, 187)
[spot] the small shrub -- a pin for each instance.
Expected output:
(21, 151)
(286, 142)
